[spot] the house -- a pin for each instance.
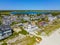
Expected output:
(5, 31)
(35, 17)
(19, 24)
(51, 18)
(27, 18)
(43, 16)
(6, 20)
(49, 15)
(43, 23)
(13, 18)
(30, 27)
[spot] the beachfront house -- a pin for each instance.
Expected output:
(5, 31)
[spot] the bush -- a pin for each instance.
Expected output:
(4, 43)
(23, 31)
(0, 23)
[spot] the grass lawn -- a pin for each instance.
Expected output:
(24, 32)
(25, 41)
(10, 37)
(50, 28)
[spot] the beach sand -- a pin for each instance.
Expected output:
(53, 39)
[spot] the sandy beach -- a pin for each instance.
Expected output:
(53, 39)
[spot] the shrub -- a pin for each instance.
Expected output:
(4, 43)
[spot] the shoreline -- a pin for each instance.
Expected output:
(53, 39)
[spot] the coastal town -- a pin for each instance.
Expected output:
(26, 28)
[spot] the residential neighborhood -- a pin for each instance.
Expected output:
(28, 25)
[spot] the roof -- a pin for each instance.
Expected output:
(4, 27)
(29, 12)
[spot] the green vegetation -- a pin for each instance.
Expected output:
(7, 12)
(50, 28)
(10, 37)
(4, 43)
(25, 41)
(0, 23)
(0, 19)
(23, 21)
(55, 13)
(13, 23)
(30, 40)
(16, 34)
(23, 31)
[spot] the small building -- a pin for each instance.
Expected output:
(43, 23)
(5, 31)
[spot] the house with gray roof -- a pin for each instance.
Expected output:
(6, 20)
(5, 31)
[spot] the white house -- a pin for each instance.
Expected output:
(30, 28)
(51, 18)
(27, 18)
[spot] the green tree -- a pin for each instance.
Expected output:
(0, 23)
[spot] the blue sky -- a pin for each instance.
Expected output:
(29, 4)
